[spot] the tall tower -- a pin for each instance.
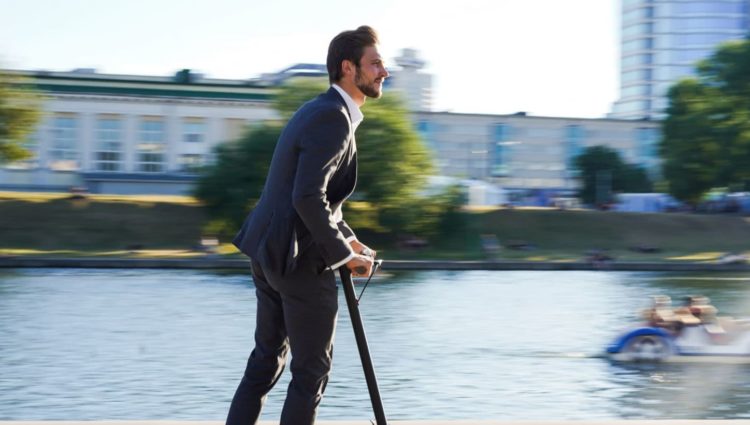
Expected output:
(662, 40)
(415, 86)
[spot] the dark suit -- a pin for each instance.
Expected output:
(293, 238)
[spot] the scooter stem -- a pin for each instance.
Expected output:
(364, 351)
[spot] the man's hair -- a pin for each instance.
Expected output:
(348, 45)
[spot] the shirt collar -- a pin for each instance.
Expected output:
(354, 111)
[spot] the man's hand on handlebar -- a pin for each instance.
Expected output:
(363, 249)
(360, 265)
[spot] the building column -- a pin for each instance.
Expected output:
(129, 143)
(172, 138)
(216, 134)
(86, 137)
(43, 142)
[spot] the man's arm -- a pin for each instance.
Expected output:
(320, 150)
(346, 231)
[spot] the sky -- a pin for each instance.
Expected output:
(543, 57)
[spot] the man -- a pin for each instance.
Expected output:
(297, 238)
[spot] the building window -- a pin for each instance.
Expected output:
(636, 91)
(689, 56)
(193, 130)
(108, 154)
(673, 73)
(575, 136)
(633, 15)
(708, 41)
(501, 150)
(631, 76)
(638, 14)
(693, 24)
(63, 153)
(151, 147)
(428, 130)
(636, 45)
(637, 60)
(631, 3)
(706, 8)
(639, 29)
(646, 144)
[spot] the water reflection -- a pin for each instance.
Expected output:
(682, 391)
(145, 344)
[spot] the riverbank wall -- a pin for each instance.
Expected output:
(215, 262)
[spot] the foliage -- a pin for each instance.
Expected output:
(424, 216)
(603, 172)
(295, 93)
(231, 187)
(393, 163)
(19, 113)
(706, 139)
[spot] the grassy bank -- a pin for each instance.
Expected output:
(564, 235)
(133, 226)
(98, 224)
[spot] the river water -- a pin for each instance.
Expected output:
(166, 344)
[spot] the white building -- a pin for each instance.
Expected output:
(524, 153)
(131, 134)
(143, 134)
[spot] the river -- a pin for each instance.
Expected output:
(125, 344)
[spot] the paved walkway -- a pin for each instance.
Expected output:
(431, 422)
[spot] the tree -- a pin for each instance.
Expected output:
(393, 162)
(603, 172)
(19, 114)
(293, 94)
(706, 134)
(231, 187)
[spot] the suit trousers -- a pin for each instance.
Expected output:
(297, 312)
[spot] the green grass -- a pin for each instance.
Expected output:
(570, 234)
(50, 222)
(156, 226)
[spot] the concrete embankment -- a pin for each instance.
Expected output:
(209, 262)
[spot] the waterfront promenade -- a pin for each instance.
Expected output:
(429, 422)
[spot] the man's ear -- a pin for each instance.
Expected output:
(348, 67)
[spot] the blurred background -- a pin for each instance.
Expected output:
(586, 131)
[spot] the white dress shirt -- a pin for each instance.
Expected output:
(356, 115)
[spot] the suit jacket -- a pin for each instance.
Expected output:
(313, 171)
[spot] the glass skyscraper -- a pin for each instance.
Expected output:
(661, 41)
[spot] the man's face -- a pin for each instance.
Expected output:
(371, 73)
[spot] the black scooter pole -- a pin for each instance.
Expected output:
(364, 351)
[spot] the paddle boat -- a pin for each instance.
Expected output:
(691, 332)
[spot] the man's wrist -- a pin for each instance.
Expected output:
(342, 262)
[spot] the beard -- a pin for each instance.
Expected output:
(370, 89)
